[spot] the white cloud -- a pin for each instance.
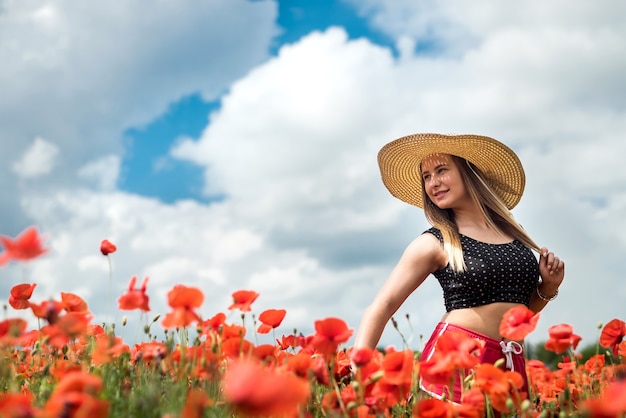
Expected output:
(38, 160)
(84, 75)
(104, 171)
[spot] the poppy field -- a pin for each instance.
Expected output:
(69, 366)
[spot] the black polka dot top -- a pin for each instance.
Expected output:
(495, 273)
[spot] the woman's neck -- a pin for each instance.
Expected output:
(472, 223)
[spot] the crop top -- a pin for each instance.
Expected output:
(495, 273)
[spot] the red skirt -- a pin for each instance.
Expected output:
(512, 352)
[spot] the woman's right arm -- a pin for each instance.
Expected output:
(423, 256)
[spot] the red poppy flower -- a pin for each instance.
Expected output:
(361, 356)
(183, 300)
(319, 368)
(329, 333)
(254, 390)
(24, 247)
(300, 364)
(270, 319)
(334, 402)
(197, 401)
(135, 298)
(107, 348)
(20, 294)
(518, 322)
(462, 349)
(287, 342)
(454, 350)
(433, 408)
(68, 327)
(149, 351)
(76, 392)
(561, 338)
(107, 247)
(79, 382)
(612, 403)
(612, 334)
(17, 405)
(48, 310)
(265, 352)
(233, 331)
(236, 347)
(397, 367)
(494, 382)
(73, 303)
(473, 400)
(11, 330)
(214, 323)
(242, 299)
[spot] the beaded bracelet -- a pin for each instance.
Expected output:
(545, 297)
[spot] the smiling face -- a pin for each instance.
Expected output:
(443, 182)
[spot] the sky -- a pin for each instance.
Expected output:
(231, 144)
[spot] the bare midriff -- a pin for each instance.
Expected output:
(483, 319)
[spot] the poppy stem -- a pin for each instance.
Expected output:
(404, 341)
(110, 289)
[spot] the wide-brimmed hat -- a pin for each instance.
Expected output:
(400, 162)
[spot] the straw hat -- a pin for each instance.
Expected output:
(400, 162)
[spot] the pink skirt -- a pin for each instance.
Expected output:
(512, 353)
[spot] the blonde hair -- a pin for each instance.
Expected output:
(493, 209)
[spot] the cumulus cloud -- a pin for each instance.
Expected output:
(103, 171)
(83, 76)
(38, 160)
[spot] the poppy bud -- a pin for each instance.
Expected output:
(107, 247)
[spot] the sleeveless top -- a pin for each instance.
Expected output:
(495, 273)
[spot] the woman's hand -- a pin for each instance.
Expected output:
(552, 271)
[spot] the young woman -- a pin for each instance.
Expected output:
(480, 255)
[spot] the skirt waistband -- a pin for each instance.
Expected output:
(492, 342)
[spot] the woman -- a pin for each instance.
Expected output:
(482, 258)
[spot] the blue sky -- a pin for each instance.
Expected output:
(147, 167)
(232, 144)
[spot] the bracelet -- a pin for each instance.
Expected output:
(545, 297)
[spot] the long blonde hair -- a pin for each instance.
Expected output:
(495, 212)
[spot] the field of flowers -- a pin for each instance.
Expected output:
(207, 367)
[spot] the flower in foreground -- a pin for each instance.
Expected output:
(24, 247)
(518, 322)
(454, 351)
(612, 403)
(499, 385)
(561, 338)
(329, 333)
(242, 299)
(612, 334)
(73, 303)
(48, 310)
(270, 319)
(254, 390)
(183, 300)
(77, 391)
(20, 294)
(107, 247)
(135, 298)
(11, 330)
(435, 408)
(17, 405)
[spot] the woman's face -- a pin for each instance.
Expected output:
(443, 182)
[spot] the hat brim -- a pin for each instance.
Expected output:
(400, 161)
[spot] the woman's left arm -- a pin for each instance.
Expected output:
(552, 272)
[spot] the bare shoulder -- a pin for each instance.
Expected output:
(426, 250)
